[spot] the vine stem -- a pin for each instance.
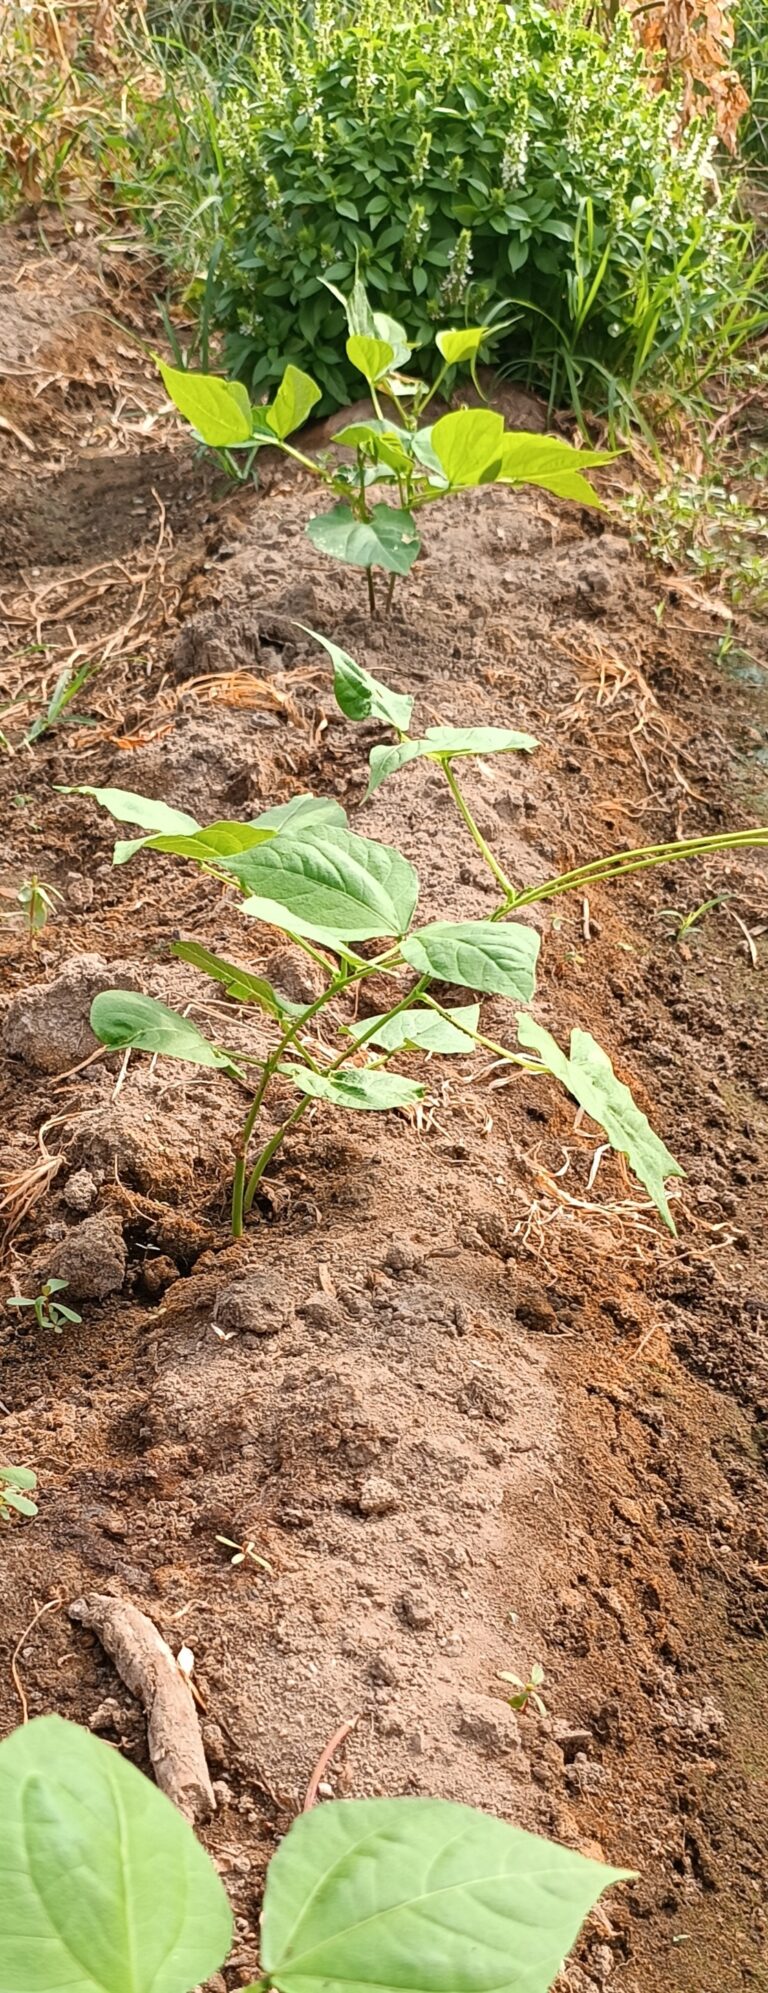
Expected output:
(638, 860)
(477, 836)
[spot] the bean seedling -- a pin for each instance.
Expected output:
(357, 1887)
(16, 1484)
(527, 1691)
(37, 902)
(417, 463)
(56, 713)
(302, 870)
(48, 1313)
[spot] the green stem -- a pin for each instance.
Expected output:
(476, 835)
(240, 1200)
(271, 1147)
(621, 862)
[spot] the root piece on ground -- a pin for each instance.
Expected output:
(149, 1670)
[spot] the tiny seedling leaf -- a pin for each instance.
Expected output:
(442, 744)
(369, 1090)
(589, 1076)
(294, 401)
(360, 696)
(421, 1029)
(498, 957)
(387, 539)
(216, 412)
(421, 1896)
(328, 881)
(85, 1840)
(468, 444)
(120, 1018)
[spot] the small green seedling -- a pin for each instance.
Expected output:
(301, 869)
(49, 1314)
(37, 902)
(527, 1691)
(395, 451)
(16, 1484)
(684, 924)
(372, 1893)
(56, 713)
(246, 1553)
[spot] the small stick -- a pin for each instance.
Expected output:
(339, 1737)
(51, 1605)
(148, 1668)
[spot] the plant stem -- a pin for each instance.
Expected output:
(620, 862)
(390, 592)
(271, 1147)
(239, 1203)
(476, 835)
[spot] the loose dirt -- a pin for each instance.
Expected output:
(466, 1401)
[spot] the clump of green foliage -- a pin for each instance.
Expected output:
(379, 1893)
(472, 157)
(301, 869)
(16, 1487)
(704, 524)
(418, 462)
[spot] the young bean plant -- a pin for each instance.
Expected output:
(49, 1313)
(16, 1487)
(301, 869)
(358, 1891)
(417, 463)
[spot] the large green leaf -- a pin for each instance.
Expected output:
(103, 1887)
(238, 983)
(359, 695)
(372, 357)
(424, 1030)
(146, 811)
(204, 846)
(302, 811)
(589, 1076)
(120, 1018)
(331, 881)
(294, 401)
(364, 1089)
(498, 957)
(551, 465)
(214, 407)
(442, 744)
(463, 344)
(468, 444)
(387, 539)
(421, 1896)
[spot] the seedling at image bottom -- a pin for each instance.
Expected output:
(376, 1894)
(300, 868)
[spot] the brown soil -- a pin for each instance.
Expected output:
(481, 1410)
